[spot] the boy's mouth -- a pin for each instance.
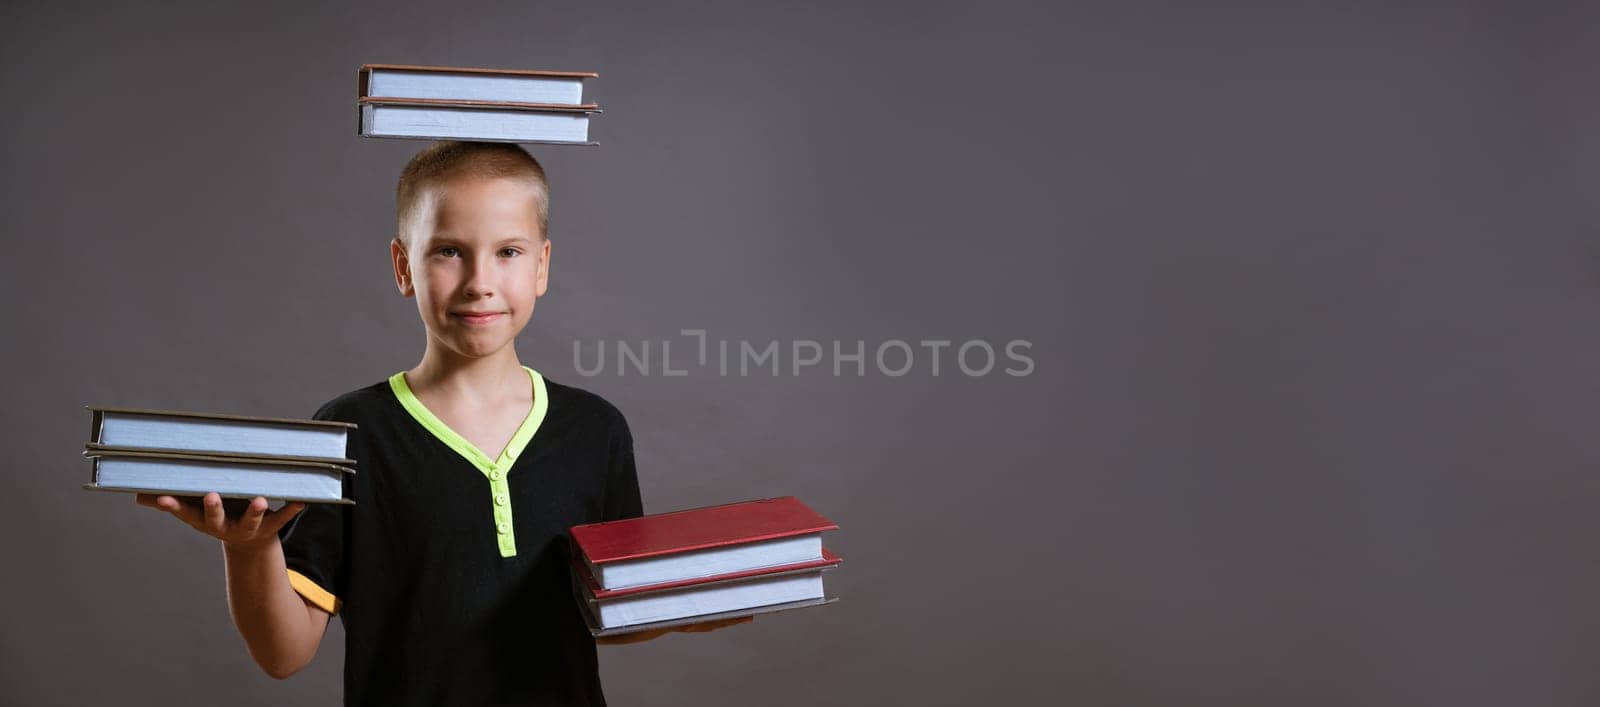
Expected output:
(477, 318)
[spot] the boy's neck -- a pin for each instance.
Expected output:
(460, 377)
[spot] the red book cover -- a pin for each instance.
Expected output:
(697, 529)
(828, 561)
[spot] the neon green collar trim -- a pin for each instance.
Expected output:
(453, 440)
(496, 471)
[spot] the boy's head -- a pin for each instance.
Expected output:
(471, 243)
(443, 162)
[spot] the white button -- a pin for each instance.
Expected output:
(502, 528)
(500, 499)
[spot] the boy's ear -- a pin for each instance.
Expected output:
(402, 267)
(543, 282)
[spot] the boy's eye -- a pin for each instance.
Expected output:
(447, 251)
(510, 252)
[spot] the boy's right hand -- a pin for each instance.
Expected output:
(255, 528)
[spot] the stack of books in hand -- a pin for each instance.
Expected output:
(703, 564)
(455, 103)
(238, 457)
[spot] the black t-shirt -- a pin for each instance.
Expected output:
(451, 571)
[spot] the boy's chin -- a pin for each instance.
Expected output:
(477, 348)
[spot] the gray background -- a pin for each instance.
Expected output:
(1311, 292)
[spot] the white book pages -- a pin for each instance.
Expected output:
(434, 122)
(705, 563)
(389, 83)
(186, 477)
(595, 630)
(712, 599)
(233, 437)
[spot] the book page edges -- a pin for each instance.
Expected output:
(594, 592)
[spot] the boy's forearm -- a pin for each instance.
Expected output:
(276, 623)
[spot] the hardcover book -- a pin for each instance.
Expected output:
(218, 434)
(701, 542)
(452, 83)
(747, 593)
(229, 476)
(480, 120)
(459, 103)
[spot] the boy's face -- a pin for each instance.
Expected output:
(478, 270)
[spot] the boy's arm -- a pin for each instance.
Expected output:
(280, 629)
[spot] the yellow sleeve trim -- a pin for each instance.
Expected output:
(319, 597)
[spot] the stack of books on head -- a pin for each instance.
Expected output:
(238, 457)
(494, 105)
(704, 564)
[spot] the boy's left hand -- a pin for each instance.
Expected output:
(701, 627)
(704, 626)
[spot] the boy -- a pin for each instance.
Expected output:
(451, 572)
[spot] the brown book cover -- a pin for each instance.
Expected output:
(93, 448)
(97, 420)
(367, 69)
(217, 416)
(94, 485)
(462, 103)
(364, 79)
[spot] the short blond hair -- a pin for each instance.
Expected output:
(444, 161)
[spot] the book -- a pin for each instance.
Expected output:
(700, 542)
(480, 120)
(218, 434)
(452, 83)
(609, 612)
(229, 476)
(461, 103)
(598, 632)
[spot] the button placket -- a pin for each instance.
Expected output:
(495, 470)
(500, 498)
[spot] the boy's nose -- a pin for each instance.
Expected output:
(477, 282)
